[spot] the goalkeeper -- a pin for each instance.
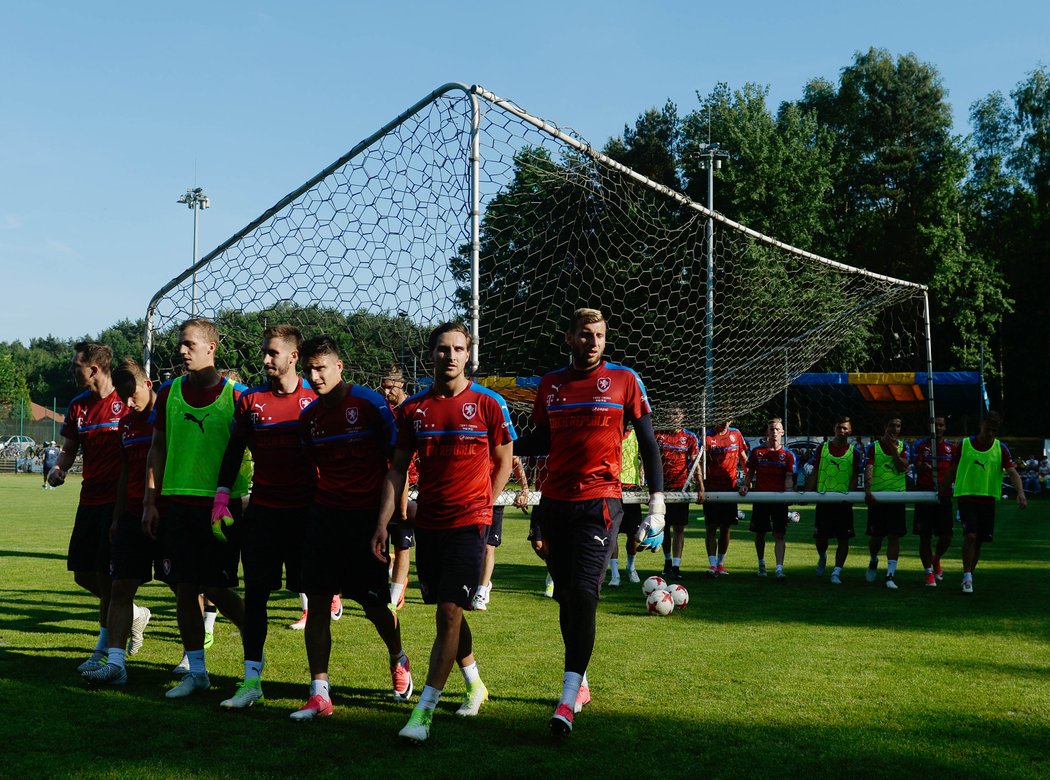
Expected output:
(581, 412)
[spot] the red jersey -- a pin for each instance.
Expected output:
(92, 423)
(349, 443)
(770, 467)
(726, 453)
(455, 438)
(268, 424)
(922, 453)
(587, 412)
(136, 436)
(679, 450)
(413, 465)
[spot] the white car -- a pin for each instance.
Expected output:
(21, 443)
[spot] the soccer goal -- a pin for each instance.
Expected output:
(468, 207)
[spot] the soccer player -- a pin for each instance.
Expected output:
(679, 451)
(770, 468)
(349, 434)
(977, 475)
(463, 434)
(933, 519)
(92, 427)
(132, 555)
(630, 479)
(885, 468)
(726, 452)
(836, 468)
(192, 418)
(495, 537)
(535, 537)
(581, 413)
(402, 538)
(266, 421)
(49, 459)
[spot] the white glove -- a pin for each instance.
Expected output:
(653, 524)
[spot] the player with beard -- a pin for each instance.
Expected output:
(402, 538)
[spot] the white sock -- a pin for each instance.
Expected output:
(428, 699)
(967, 576)
(470, 673)
(837, 570)
(614, 564)
(713, 560)
(630, 563)
(570, 688)
(253, 670)
(929, 570)
(136, 611)
(676, 562)
(780, 567)
(321, 688)
(209, 620)
(396, 589)
(303, 600)
(196, 659)
(762, 562)
(117, 656)
(102, 643)
(583, 682)
(891, 568)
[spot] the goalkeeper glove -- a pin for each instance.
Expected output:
(220, 513)
(651, 531)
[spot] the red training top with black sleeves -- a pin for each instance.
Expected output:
(93, 423)
(455, 438)
(136, 436)
(349, 443)
(770, 468)
(923, 453)
(678, 451)
(587, 413)
(268, 424)
(726, 452)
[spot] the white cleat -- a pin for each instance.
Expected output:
(190, 684)
(138, 628)
(248, 692)
(477, 694)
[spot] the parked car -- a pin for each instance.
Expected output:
(17, 443)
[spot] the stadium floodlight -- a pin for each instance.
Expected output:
(194, 199)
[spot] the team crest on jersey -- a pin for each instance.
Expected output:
(469, 410)
(117, 407)
(604, 383)
(351, 415)
(304, 402)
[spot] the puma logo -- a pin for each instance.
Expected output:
(601, 540)
(189, 417)
(422, 412)
(467, 589)
(980, 465)
(374, 594)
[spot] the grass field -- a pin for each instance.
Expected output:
(754, 678)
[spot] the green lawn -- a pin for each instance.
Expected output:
(754, 678)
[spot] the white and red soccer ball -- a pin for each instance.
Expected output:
(660, 602)
(654, 583)
(679, 595)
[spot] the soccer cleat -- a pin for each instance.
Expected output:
(477, 694)
(712, 571)
(967, 586)
(317, 706)
(299, 624)
(614, 579)
(676, 574)
(871, 573)
(666, 573)
(822, 564)
(247, 693)
(931, 580)
(191, 683)
(779, 574)
(107, 674)
(560, 723)
(480, 603)
(548, 590)
(337, 607)
(938, 572)
(890, 583)
(138, 627)
(401, 679)
(418, 727)
(583, 697)
(836, 579)
(761, 570)
(722, 570)
(94, 661)
(209, 639)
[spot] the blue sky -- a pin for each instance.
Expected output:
(109, 111)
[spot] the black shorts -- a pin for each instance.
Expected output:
(448, 564)
(933, 519)
(677, 514)
(495, 532)
(631, 520)
(536, 524)
(192, 555)
(133, 555)
(581, 535)
(717, 515)
(977, 519)
(833, 521)
(89, 543)
(769, 517)
(402, 535)
(337, 555)
(272, 543)
(887, 520)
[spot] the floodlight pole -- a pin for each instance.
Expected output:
(711, 157)
(194, 199)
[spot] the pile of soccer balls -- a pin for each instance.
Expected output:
(663, 599)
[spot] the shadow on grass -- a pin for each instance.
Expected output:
(27, 554)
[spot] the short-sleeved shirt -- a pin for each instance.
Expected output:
(93, 423)
(268, 424)
(922, 453)
(678, 452)
(136, 436)
(726, 452)
(413, 465)
(1007, 463)
(51, 455)
(349, 443)
(770, 468)
(587, 412)
(454, 438)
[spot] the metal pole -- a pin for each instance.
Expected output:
(21, 416)
(54, 419)
(475, 229)
(980, 399)
(709, 323)
(193, 302)
(929, 383)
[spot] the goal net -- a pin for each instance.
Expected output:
(467, 207)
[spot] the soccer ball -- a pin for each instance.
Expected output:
(660, 603)
(740, 515)
(794, 517)
(653, 583)
(679, 595)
